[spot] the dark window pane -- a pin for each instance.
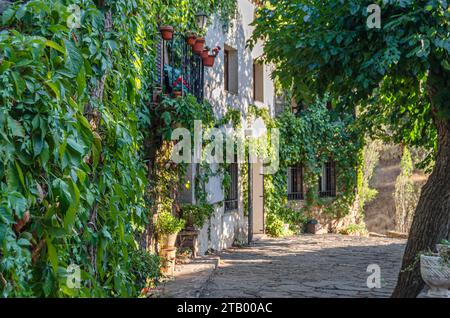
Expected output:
(327, 181)
(295, 183)
(227, 70)
(231, 200)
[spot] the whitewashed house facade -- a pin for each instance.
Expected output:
(236, 81)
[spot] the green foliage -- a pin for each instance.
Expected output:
(274, 226)
(399, 73)
(181, 14)
(370, 159)
(182, 112)
(145, 268)
(354, 229)
(197, 214)
(167, 223)
(71, 160)
(56, 164)
(406, 194)
(313, 137)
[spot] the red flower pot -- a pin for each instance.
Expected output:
(209, 61)
(205, 54)
(177, 94)
(191, 39)
(199, 45)
(166, 32)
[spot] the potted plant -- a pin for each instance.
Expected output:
(435, 271)
(205, 52)
(179, 86)
(209, 60)
(196, 214)
(168, 226)
(198, 46)
(311, 226)
(166, 32)
(191, 38)
(444, 249)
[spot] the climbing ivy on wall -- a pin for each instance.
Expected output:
(312, 137)
(74, 118)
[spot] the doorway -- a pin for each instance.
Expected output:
(258, 198)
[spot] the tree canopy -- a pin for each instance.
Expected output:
(398, 75)
(327, 47)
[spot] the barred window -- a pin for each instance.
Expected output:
(231, 200)
(327, 181)
(295, 183)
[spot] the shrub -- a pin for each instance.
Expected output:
(198, 214)
(145, 267)
(167, 224)
(354, 229)
(275, 226)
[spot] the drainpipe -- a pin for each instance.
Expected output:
(248, 135)
(250, 201)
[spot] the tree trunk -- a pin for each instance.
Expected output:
(431, 221)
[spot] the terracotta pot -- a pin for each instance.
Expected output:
(166, 32)
(209, 61)
(311, 228)
(198, 46)
(177, 94)
(169, 253)
(191, 38)
(168, 267)
(168, 241)
(205, 54)
(436, 274)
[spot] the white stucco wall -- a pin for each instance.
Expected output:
(225, 228)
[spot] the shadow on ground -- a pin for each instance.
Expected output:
(307, 266)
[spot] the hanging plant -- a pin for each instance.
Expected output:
(205, 52)
(208, 60)
(199, 45)
(166, 32)
(190, 39)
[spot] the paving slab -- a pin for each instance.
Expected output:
(190, 278)
(307, 266)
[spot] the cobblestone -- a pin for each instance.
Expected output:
(306, 266)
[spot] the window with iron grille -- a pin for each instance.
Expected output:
(295, 183)
(327, 181)
(231, 200)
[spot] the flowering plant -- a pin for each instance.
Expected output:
(216, 50)
(180, 84)
(175, 79)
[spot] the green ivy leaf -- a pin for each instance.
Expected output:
(3, 231)
(7, 15)
(55, 46)
(16, 181)
(18, 203)
(15, 127)
(167, 118)
(52, 255)
(74, 59)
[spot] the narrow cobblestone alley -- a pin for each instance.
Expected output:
(304, 266)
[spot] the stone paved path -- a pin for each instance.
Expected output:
(306, 266)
